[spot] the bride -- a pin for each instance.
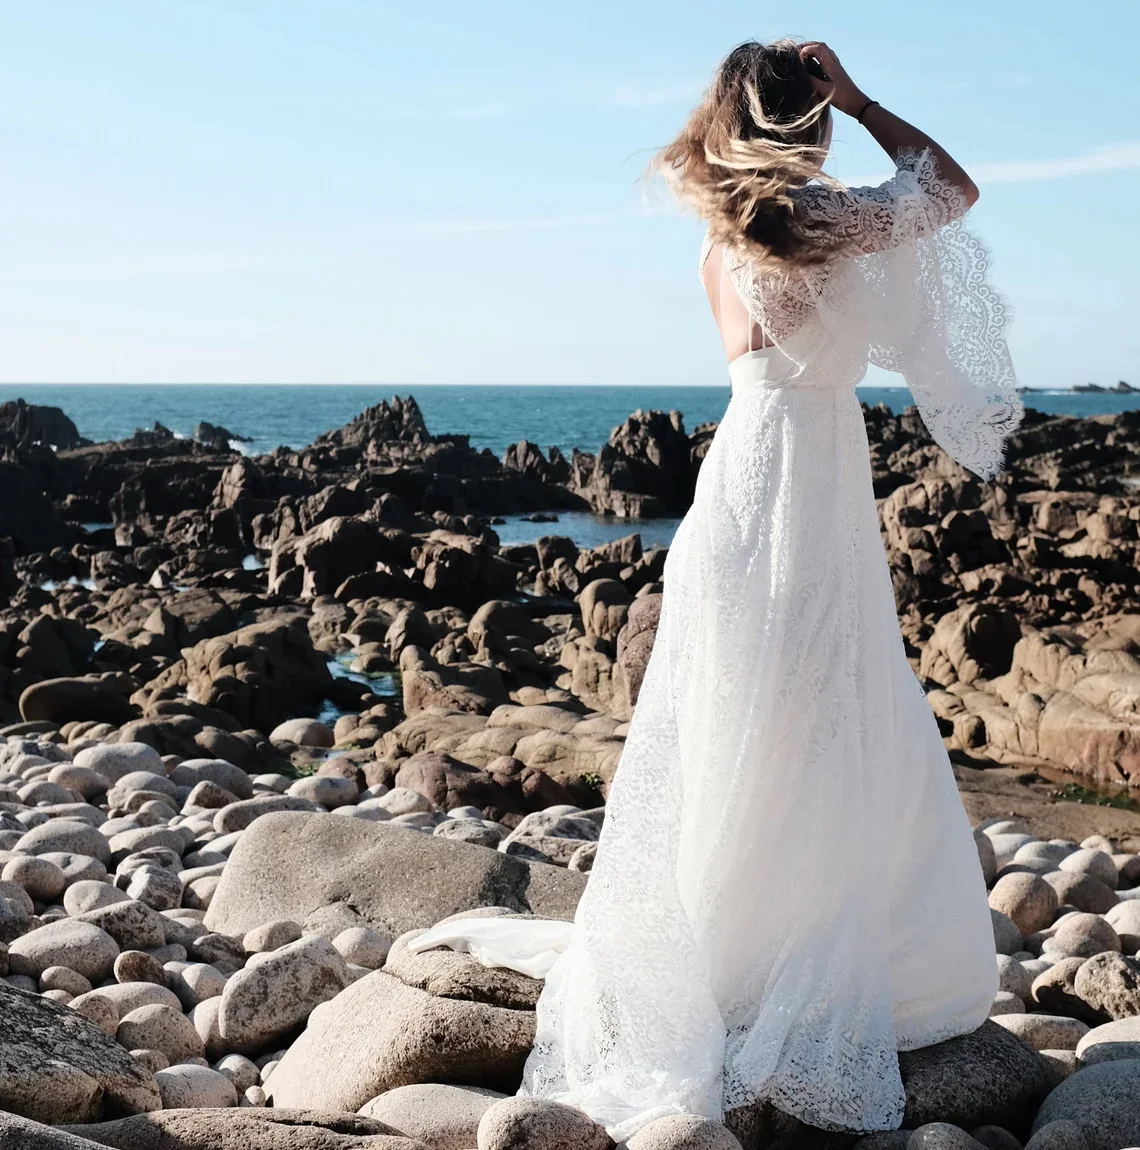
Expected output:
(786, 890)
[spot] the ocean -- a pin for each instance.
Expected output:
(493, 416)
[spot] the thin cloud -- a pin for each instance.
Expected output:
(1113, 158)
(1110, 158)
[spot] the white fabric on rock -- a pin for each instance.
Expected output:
(530, 946)
(786, 890)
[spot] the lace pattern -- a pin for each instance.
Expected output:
(914, 298)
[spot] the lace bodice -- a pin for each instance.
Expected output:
(911, 295)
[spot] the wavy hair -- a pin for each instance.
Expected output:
(758, 134)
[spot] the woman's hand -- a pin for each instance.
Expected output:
(843, 92)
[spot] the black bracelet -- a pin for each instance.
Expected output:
(866, 108)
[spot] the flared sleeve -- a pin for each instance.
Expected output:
(917, 278)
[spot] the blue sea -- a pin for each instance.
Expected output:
(269, 416)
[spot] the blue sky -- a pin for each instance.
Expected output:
(407, 193)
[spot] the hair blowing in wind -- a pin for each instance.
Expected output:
(758, 134)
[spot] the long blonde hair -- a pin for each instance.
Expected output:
(758, 135)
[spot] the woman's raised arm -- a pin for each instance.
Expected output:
(891, 132)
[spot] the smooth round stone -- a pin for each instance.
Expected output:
(1026, 899)
(76, 867)
(1124, 918)
(1103, 1100)
(1062, 1062)
(114, 760)
(82, 780)
(1097, 843)
(941, 1136)
(160, 1028)
(1083, 935)
(98, 1009)
(1006, 1003)
(71, 836)
(465, 813)
(1041, 852)
(65, 979)
(43, 880)
(403, 801)
(1096, 864)
(240, 1071)
(79, 945)
(138, 966)
(1128, 868)
(1007, 938)
(271, 935)
(253, 1096)
(192, 1086)
(1113, 1040)
(1044, 1031)
(1083, 891)
(328, 790)
(1006, 846)
(271, 782)
(1000, 826)
(22, 982)
(268, 1069)
(60, 996)
(303, 733)
(1014, 978)
(363, 946)
(152, 1060)
(14, 893)
(536, 1122)
(194, 982)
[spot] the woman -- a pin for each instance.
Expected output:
(787, 891)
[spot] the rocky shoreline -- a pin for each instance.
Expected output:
(264, 719)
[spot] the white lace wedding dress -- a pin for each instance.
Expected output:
(786, 890)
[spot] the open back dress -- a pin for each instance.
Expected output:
(787, 890)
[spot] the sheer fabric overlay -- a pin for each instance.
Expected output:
(786, 890)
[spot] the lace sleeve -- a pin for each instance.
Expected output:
(915, 202)
(924, 299)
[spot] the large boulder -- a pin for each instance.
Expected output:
(289, 865)
(1103, 1100)
(73, 700)
(986, 1078)
(261, 674)
(55, 1066)
(245, 1129)
(379, 1034)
